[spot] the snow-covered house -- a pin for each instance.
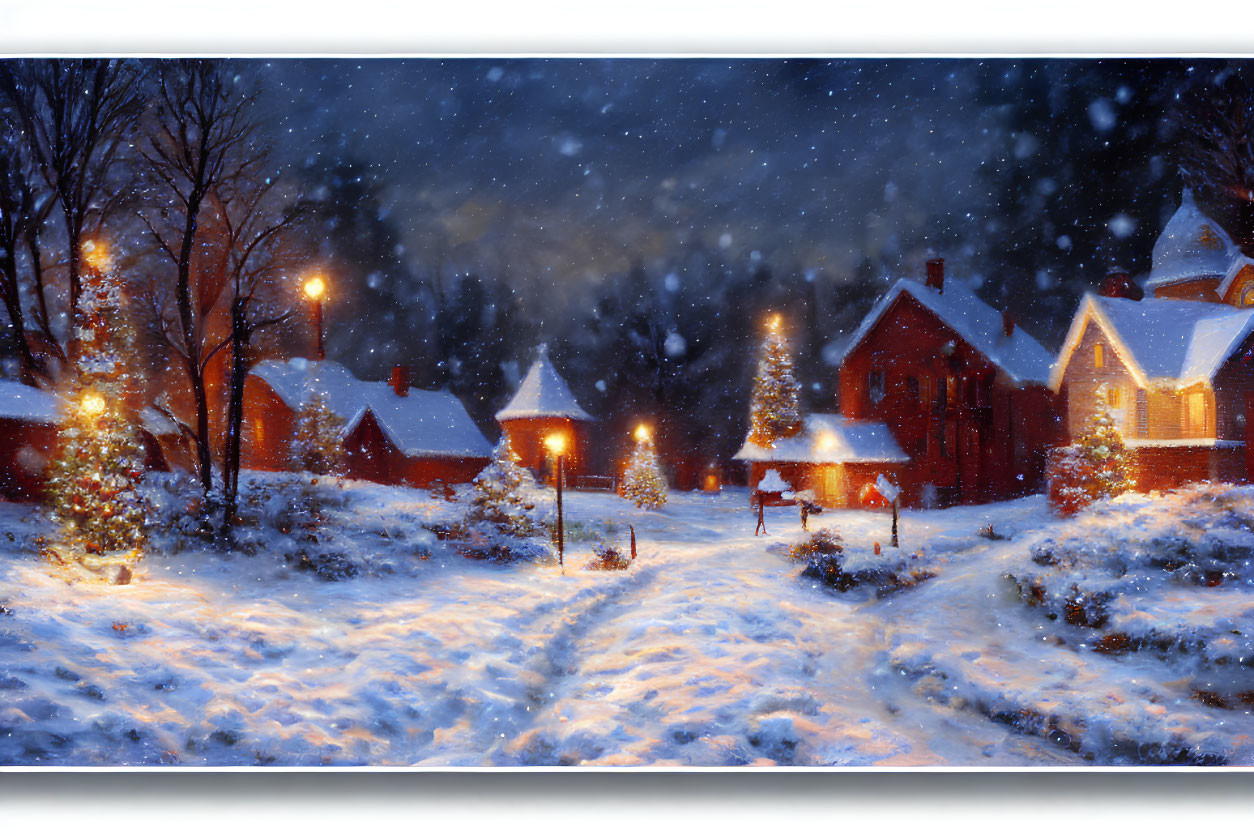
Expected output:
(832, 457)
(28, 436)
(542, 407)
(393, 434)
(961, 389)
(1178, 367)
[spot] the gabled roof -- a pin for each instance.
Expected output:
(1161, 341)
(830, 439)
(420, 424)
(543, 394)
(26, 403)
(980, 325)
(1191, 246)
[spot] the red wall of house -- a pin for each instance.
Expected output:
(372, 456)
(1164, 468)
(526, 439)
(25, 450)
(269, 425)
(969, 430)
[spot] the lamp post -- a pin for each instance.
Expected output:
(556, 444)
(314, 289)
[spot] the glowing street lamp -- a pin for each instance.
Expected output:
(96, 254)
(92, 405)
(556, 444)
(642, 433)
(774, 322)
(314, 289)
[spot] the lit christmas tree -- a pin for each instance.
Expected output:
(1098, 466)
(1103, 450)
(317, 446)
(643, 482)
(499, 495)
(775, 410)
(93, 480)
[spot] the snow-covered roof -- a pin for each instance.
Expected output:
(420, 424)
(26, 403)
(1234, 270)
(1161, 340)
(1191, 246)
(980, 325)
(157, 422)
(543, 394)
(830, 439)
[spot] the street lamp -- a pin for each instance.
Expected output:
(314, 289)
(96, 254)
(556, 444)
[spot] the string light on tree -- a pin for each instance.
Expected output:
(643, 481)
(1098, 466)
(775, 408)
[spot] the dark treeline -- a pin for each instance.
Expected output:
(174, 164)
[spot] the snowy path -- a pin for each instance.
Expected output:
(710, 650)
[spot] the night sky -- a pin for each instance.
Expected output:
(578, 167)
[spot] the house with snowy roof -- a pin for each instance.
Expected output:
(28, 435)
(1178, 366)
(963, 391)
(832, 458)
(393, 434)
(544, 407)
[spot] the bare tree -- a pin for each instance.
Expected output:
(1216, 123)
(262, 250)
(17, 213)
(201, 141)
(75, 117)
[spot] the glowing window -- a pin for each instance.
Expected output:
(1196, 405)
(1099, 356)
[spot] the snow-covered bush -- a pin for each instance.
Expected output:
(828, 562)
(608, 559)
(825, 541)
(1168, 575)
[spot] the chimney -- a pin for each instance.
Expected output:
(936, 274)
(1119, 285)
(400, 380)
(1007, 323)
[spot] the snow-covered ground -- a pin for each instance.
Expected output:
(711, 650)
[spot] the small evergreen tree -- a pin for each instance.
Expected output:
(643, 482)
(93, 479)
(775, 409)
(498, 498)
(1098, 466)
(317, 446)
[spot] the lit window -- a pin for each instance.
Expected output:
(1142, 413)
(1114, 396)
(1197, 414)
(1099, 356)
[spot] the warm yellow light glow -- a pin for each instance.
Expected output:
(315, 288)
(96, 254)
(826, 441)
(92, 405)
(774, 322)
(642, 433)
(556, 443)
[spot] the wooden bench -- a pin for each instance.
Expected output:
(588, 482)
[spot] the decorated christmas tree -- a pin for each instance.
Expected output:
(317, 446)
(1103, 451)
(1097, 466)
(499, 498)
(643, 482)
(774, 411)
(93, 480)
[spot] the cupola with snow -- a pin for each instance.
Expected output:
(544, 407)
(1191, 256)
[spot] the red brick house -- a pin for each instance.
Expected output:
(1178, 368)
(542, 407)
(28, 436)
(962, 390)
(393, 434)
(832, 458)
